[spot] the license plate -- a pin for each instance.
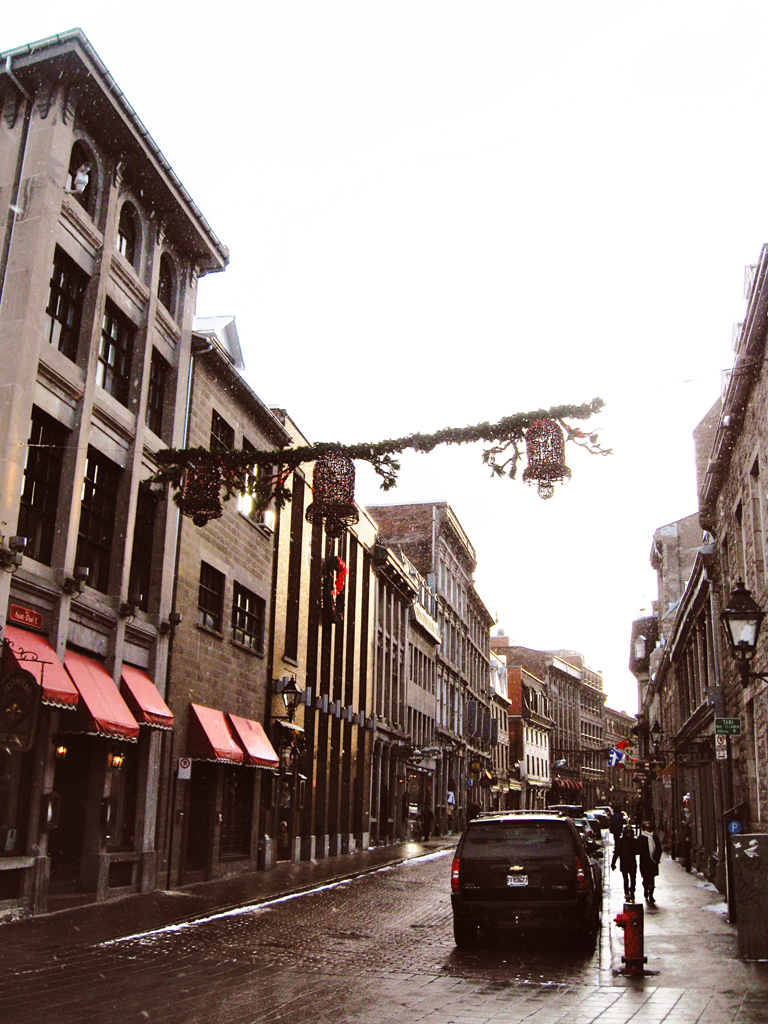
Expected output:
(517, 879)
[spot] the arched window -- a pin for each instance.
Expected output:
(166, 283)
(81, 176)
(127, 234)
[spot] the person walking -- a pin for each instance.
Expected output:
(427, 817)
(617, 823)
(625, 855)
(649, 846)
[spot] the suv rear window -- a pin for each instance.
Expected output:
(503, 839)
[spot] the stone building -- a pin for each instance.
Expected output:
(219, 682)
(621, 734)
(102, 252)
(432, 538)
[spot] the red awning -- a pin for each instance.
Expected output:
(32, 652)
(142, 697)
(254, 741)
(209, 737)
(107, 712)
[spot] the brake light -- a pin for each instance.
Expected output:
(581, 874)
(455, 875)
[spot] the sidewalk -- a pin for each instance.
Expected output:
(98, 922)
(688, 940)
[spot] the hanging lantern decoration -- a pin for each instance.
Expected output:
(334, 493)
(545, 450)
(200, 497)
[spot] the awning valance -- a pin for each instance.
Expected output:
(142, 697)
(254, 741)
(106, 712)
(209, 737)
(31, 651)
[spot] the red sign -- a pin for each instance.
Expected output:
(26, 616)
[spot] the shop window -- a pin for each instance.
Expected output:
(97, 518)
(222, 434)
(210, 601)
(166, 283)
(81, 177)
(128, 234)
(42, 477)
(65, 304)
(158, 377)
(114, 366)
(15, 780)
(248, 611)
(237, 812)
(141, 556)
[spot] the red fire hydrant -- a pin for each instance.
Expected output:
(632, 923)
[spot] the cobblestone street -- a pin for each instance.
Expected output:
(377, 949)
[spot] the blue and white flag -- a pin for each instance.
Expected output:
(615, 757)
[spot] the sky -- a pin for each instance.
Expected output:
(442, 213)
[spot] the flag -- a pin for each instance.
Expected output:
(615, 757)
(622, 744)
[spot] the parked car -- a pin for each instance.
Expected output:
(589, 835)
(524, 873)
(599, 820)
(569, 810)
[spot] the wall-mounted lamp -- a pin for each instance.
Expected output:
(741, 619)
(61, 752)
(656, 734)
(74, 584)
(116, 760)
(11, 557)
(128, 608)
(168, 625)
(291, 694)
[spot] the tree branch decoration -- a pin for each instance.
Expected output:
(231, 472)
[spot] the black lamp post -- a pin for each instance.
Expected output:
(741, 620)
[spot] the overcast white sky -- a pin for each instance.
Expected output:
(441, 213)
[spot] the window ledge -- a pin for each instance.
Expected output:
(246, 648)
(209, 631)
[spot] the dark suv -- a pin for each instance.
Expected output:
(525, 872)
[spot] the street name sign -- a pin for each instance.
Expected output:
(727, 727)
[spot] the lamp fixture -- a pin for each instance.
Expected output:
(656, 733)
(741, 619)
(116, 759)
(61, 752)
(291, 694)
(74, 584)
(11, 557)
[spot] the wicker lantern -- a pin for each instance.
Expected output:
(545, 449)
(200, 494)
(334, 493)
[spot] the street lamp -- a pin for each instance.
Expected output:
(656, 734)
(741, 620)
(291, 694)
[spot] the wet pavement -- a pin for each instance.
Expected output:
(374, 946)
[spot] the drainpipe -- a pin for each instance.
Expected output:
(13, 205)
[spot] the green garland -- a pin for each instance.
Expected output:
(504, 440)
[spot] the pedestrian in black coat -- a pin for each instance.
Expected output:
(625, 854)
(617, 823)
(649, 846)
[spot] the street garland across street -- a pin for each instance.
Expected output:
(504, 442)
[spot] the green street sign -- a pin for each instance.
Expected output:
(727, 727)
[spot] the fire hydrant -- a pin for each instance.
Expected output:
(632, 923)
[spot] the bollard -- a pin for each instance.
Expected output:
(632, 923)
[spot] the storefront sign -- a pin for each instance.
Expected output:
(728, 727)
(25, 616)
(19, 709)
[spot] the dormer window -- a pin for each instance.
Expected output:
(127, 234)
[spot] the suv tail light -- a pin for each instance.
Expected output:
(581, 873)
(455, 875)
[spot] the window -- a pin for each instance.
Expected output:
(166, 283)
(81, 176)
(65, 304)
(222, 435)
(248, 618)
(127, 234)
(210, 601)
(141, 556)
(114, 366)
(98, 506)
(246, 502)
(42, 476)
(158, 375)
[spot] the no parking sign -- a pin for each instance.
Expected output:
(185, 767)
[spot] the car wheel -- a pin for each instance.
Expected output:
(464, 933)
